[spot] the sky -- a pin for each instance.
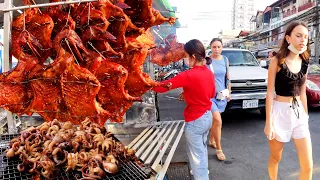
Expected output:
(217, 15)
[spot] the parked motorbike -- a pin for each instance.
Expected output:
(172, 73)
(166, 73)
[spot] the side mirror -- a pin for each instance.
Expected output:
(263, 63)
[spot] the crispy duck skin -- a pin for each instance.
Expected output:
(96, 19)
(143, 15)
(67, 39)
(98, 51)
(112, 94)
(120, 23)
(45, 83)
(15, 94)
(138, 82)
(100, 40)
(79, 86)
(38, 25)
(94, 29)
(171, 52)
(61, 19)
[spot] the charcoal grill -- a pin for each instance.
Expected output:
(8, 168)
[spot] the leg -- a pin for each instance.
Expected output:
(205, 137)
(304, 149)
(215, 134)
(195, 133)
(216, 129)
(276, 149)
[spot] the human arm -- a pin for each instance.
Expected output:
(181, 97)
(272, 71)
(228, 80)
(303, 95)
(176, 82)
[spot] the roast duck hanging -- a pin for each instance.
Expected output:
(97, 51)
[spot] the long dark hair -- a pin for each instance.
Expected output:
(209, 60)
(195, 48)
(284, 51)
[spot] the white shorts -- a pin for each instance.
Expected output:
(289, 122)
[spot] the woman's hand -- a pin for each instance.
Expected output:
(181, 97)
(229, 96)
(269, 131)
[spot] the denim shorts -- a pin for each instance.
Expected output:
(196, 133)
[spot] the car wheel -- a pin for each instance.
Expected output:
(263, 111)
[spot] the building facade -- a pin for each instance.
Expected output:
(271, 23)
(242, 12)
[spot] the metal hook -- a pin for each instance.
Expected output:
(34, 3)
(89, 14)
(69, 12)
(24, 20)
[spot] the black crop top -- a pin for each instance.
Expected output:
(288, 83)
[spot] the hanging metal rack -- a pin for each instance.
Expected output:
(7, 8)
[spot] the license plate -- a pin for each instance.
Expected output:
(250, 104)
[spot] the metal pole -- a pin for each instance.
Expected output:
(7, 58)
(317, 38)
(11, 8)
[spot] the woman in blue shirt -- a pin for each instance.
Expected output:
(219, 65)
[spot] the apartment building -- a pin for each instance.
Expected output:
(242, 11)
(271, 23)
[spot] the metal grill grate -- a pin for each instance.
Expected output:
(8, 168)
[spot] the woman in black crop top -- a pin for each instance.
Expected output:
(287, 114)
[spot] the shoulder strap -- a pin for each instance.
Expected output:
(226, 64)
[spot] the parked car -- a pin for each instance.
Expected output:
(313, 84)
(248, 80)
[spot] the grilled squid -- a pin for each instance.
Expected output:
(59, 156)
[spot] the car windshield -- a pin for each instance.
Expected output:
(314, 69)
(240, 58)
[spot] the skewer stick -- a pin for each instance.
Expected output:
(47, 5)
(67, 42)
(96, 50)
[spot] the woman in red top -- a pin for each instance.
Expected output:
(198, 87)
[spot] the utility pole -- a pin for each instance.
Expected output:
(317, 38)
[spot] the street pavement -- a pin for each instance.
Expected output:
(244, 144)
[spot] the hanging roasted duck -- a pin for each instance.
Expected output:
(83, 60)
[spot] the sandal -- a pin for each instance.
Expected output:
(220, 155)
(212, 144)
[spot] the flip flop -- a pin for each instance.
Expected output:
(220, 155)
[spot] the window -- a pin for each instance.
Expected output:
(240, 58)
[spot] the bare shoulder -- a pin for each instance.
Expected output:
(274, 64)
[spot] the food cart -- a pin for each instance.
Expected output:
(155, 143)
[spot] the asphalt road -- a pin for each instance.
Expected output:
(244, 144)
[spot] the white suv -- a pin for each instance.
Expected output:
(248, 80)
